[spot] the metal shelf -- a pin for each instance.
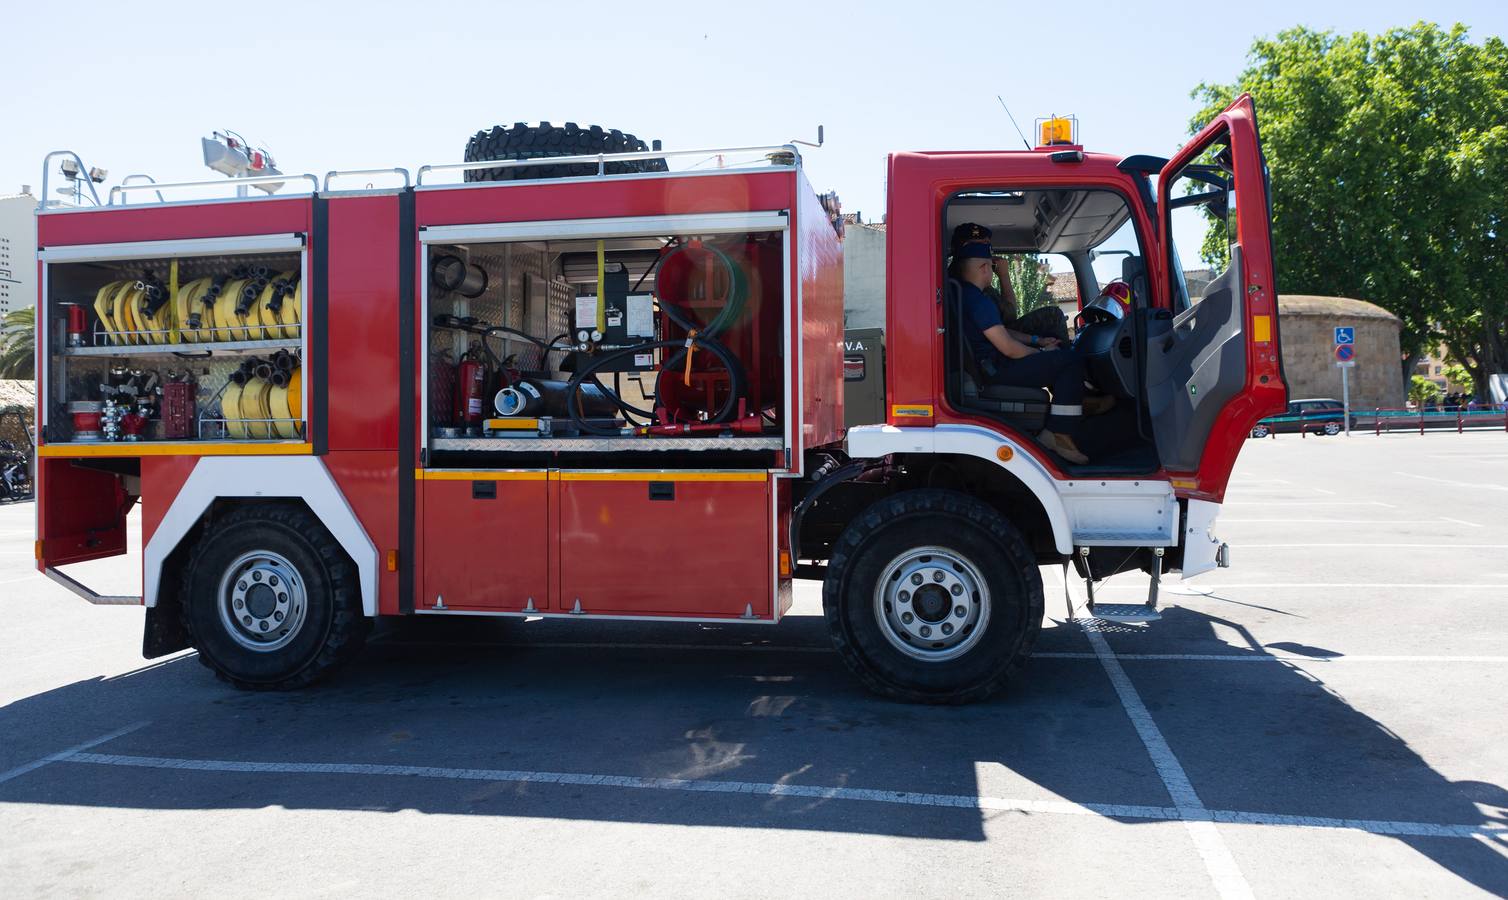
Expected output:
(237, 347)
(517, 444)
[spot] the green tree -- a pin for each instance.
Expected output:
(1029, 281)
(18, 341)
(1389, 176)
(1423, 391)
(1457, 375)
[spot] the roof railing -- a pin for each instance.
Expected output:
(120, 190)
(83, 172)
(345, 173)
(772, 153)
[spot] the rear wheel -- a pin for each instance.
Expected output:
(270, 600)
(933, 597)
(1332, 428)
(1261, 431)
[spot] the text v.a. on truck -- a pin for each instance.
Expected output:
(582, 379)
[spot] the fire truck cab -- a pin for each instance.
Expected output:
(616, 392)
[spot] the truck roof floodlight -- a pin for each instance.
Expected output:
(231, 155)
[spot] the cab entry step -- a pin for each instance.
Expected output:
(1124, 613)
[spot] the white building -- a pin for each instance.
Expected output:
(18, 250)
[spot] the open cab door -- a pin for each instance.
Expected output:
(1213, 366)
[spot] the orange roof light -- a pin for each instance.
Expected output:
(1057, 130)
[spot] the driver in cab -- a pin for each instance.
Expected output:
(1021, 360)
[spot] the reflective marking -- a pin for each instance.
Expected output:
(1222, 868)
(767, 789)
(70, 753)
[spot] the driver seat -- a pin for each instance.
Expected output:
(1024, 407)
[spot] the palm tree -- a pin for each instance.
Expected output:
(18, 341)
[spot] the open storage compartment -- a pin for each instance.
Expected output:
(199, 340)
(657, 338)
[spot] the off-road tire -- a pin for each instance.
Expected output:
(333, 629)
(545, 140)
(958, 523)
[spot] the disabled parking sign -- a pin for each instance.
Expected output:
(1345, 334)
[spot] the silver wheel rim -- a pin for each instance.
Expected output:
(1332, 428)
(931, 604)
(262, 601)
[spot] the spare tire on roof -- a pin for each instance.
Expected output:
(545, 140)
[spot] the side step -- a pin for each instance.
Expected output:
(1125, 613)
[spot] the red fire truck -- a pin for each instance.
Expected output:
(574, 378)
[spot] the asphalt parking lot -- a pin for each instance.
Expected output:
(1326, 718)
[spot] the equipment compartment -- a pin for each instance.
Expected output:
(690, 543)
(182, 347)
(631, 341)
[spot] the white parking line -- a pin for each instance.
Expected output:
(776, 648)
(1460, 522)
(1218, 861)
(1276, 657)
(1214, 586)
(1245, 546)
(1307, 520)
(69, 753)
(817, 792)
(1473, 485)
(1321, 503)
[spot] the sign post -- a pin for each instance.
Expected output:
(1345, 360)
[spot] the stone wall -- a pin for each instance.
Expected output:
(1307, 331)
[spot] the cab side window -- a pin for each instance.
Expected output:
(1202, 210)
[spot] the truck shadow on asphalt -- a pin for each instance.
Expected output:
(758, 705)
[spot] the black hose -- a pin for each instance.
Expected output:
(736, 378)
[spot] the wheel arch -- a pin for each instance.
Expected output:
(1010, 472)
(220, 480)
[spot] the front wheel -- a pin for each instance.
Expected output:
(932, 597)
(271, 602)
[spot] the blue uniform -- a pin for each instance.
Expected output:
(980, 313)
(1061, 370)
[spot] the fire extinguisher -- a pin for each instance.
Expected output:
(471, 387)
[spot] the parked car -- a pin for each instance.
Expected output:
(1321, 415)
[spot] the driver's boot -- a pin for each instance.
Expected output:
(1062, 445)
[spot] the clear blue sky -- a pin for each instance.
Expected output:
(344, 85)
